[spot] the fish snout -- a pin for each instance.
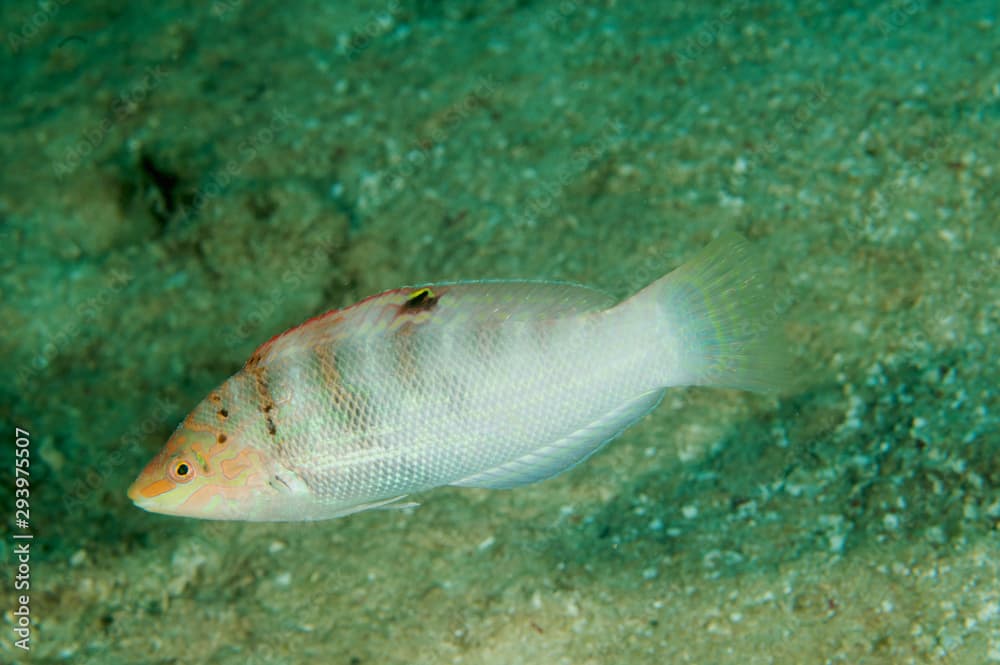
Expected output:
(150, 483)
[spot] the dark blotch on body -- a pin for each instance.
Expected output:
(419, 300)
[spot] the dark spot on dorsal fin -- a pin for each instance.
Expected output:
(421, 299)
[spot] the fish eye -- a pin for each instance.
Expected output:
(181, 471)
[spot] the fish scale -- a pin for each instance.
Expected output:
(475, 384)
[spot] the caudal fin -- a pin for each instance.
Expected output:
(718, 317)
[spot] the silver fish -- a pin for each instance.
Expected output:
(474, 384)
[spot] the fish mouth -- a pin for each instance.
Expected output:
(134, 493)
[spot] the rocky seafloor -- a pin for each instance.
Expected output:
(181, 181)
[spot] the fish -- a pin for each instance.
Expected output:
(486, 384)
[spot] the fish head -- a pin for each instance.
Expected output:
(208, 469)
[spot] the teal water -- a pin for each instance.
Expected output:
(181, 181)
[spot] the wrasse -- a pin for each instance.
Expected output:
(474, 384)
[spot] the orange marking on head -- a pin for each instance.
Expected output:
(203, 496)
(231, 468)
(201, 456)
(156, 488)
(174, 443)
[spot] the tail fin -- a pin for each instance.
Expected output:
(717, 311)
